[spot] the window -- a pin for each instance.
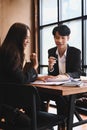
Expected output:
(69, 9)
(67, 12)
(48, 11)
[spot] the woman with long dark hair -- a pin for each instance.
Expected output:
(12, 56)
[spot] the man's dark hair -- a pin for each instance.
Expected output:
(63, 30)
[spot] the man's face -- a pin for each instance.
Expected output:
(61, 41)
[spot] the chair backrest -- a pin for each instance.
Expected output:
(21, 96)
(18, 95)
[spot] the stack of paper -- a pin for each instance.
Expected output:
(65, 81)
(83, 78)
(53, 81)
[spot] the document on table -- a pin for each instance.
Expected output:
(58, 81)
(52, 81)
(83, 79)
(73, 83)
(49, 83)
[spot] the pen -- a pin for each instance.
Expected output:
(54, 58)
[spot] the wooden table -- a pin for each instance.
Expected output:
(72, 92)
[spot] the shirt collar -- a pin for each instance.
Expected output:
(58, 53)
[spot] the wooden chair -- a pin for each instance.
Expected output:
(27, 97)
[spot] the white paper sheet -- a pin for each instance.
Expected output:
(50, 83)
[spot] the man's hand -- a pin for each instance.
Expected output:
(51, 62)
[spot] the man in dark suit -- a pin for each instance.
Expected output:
(64, 61)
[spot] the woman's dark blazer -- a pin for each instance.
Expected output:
(19, 75)
(73, 62)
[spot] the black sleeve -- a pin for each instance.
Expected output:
(25, 77)
(74, 62)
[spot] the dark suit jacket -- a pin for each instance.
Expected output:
(73, 62)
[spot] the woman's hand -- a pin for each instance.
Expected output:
(34, 60)
(50, 77)
(44, 78)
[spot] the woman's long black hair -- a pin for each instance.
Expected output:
(13, 43)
